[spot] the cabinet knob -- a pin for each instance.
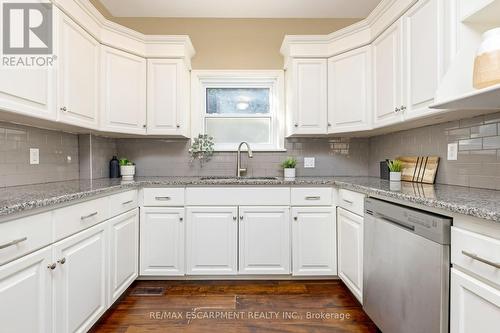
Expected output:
(64, 109)
(52, 266)
(61, 261)
(329, 124)
(144, 126)
(396, 110)
(403, 108)
(295, 218)
(178, 126)
(234, 218)
(296, 125)
(241, 218)
(181, 219)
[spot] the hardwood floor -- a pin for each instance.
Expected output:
(236, 306)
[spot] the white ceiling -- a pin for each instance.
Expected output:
(241, 8)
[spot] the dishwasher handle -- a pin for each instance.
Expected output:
(396, 222)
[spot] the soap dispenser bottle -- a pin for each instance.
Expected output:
(114, 168)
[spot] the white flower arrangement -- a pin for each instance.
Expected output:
(202, 148)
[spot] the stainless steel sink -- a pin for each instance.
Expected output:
(239, 179)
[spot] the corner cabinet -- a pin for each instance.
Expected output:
(307, 98)
(264, 240)
(162, 241)
(350, 250)
(123, 101)
(212, 240)
(168, 97)
(78, 75)
(349, 91)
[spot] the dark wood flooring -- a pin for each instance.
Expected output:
(236, 306)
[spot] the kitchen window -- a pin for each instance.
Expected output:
(239, 106)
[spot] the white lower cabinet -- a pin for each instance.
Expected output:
(475, 305)
(123, 253)
(350, 250)
(264, 240)
(314, 241)
(212, 240)
(162, 241)
(80, 280)
(26, 293)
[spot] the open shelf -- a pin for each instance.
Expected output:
(482, 99)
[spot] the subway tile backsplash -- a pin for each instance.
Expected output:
(58, 155)
(478, 163)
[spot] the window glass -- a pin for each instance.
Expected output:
(238, 101)
(235, 130)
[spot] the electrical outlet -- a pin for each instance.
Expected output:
(309, 162)
(453, 151)
(34, 156)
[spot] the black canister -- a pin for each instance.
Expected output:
(114, 168)
(384, 170)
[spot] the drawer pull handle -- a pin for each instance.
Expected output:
(313, 198)
(88, 216)
(162, 198)
(127, 202)
(14, 242)
(348, 201)
(484, 261)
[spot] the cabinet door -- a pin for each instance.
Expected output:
(309, 96)
(387, 73)
(423, 56)
(264, 246)
(349, 91)
(168, 97)
(78, 75)
(123, 253)
(28, 91)
(475, 306)
(124, 92)
(211, 240)
(350, 250)
(314, 241)
(26, 293)
(162, 241)
(80, 280)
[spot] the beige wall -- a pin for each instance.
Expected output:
(232, 43)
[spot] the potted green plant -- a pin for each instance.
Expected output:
(202, 148)
(127, 169)
(288, 166)
(395, 167)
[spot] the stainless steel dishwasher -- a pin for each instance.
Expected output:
(406, 268)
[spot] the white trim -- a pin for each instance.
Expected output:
(272, 79)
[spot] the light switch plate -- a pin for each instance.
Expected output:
(453, 151)
(309, 162)
(34, 156)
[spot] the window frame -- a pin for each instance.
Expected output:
(270, 79)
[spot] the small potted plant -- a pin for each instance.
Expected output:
(202, 148)
(288, 166)
(127, 169)
(395, 167)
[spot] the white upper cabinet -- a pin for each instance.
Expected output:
(212, 240)
(123, 92)
(168, 97)
(78, 75)
(423, 56)
(307, 96)
(350, 91)
(162, 241)
(264, 246)
(387, 75)
(314, 241)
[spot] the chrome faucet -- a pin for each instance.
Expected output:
(239, 169)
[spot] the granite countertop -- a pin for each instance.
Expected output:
(481, 203)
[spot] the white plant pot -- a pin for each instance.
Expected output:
(395, 176)
(127, 172)
(289, 174)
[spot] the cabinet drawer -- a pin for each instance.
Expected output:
(311, 196)
(22, 236)
(352, 201)
(72, 219)
(158, 197)
(122, 202)
(238, 196)
(477, 253)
